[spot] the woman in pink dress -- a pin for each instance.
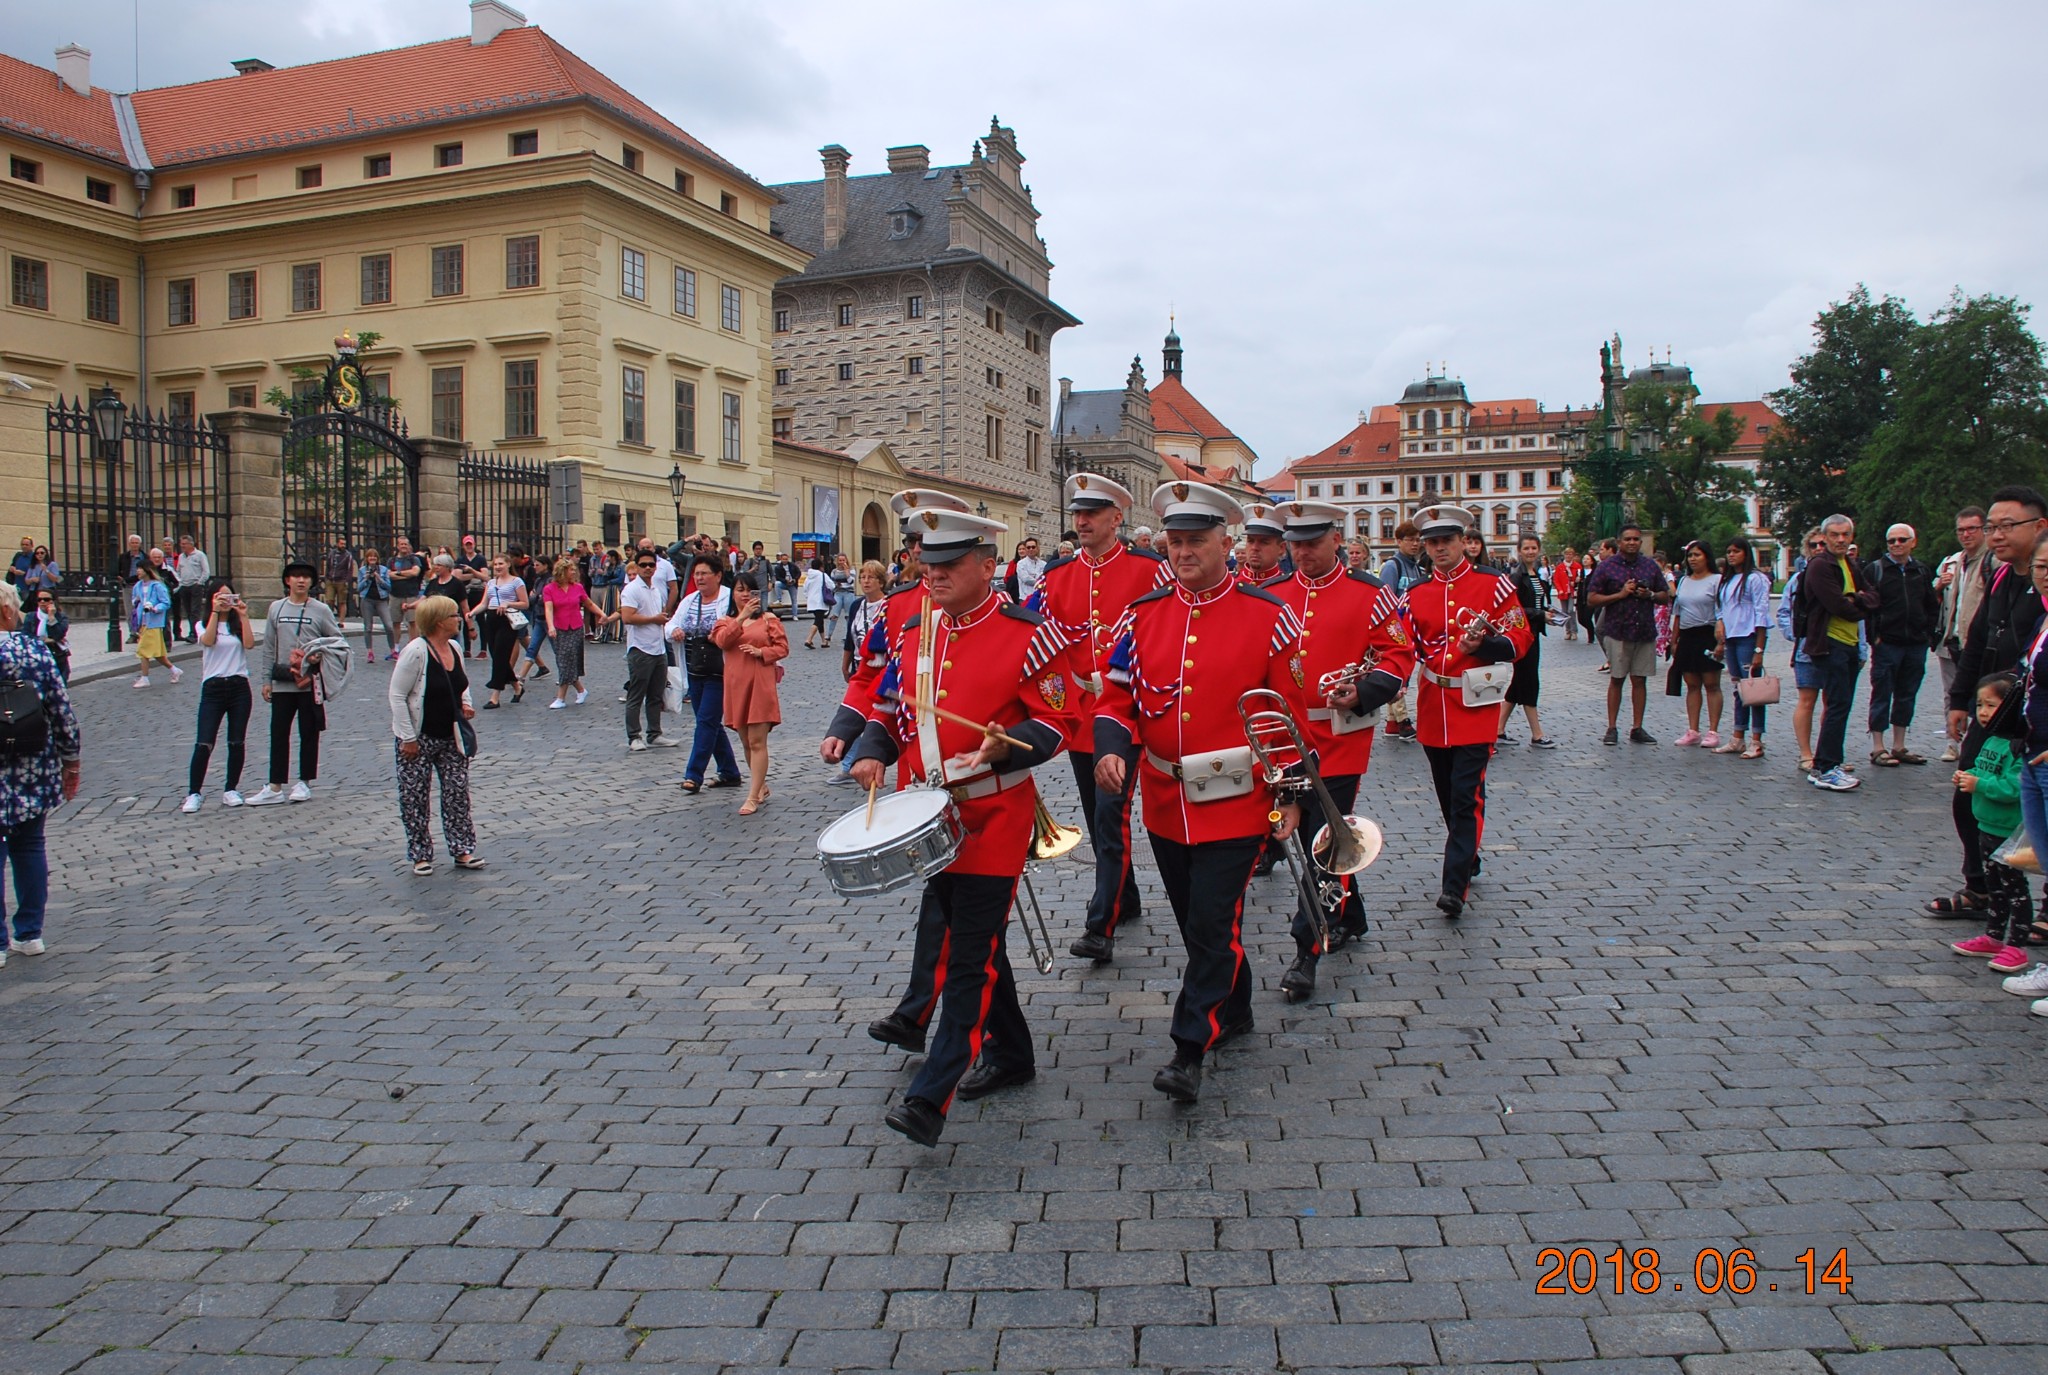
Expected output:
(753, 645)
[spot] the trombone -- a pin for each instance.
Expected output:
(1345, 845)
(1049, 840)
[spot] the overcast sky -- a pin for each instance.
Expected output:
(1332, 195)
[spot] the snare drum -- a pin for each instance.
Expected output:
(916, 833)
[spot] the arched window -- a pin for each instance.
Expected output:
(1429, 422)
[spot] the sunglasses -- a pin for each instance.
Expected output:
(1898, 539)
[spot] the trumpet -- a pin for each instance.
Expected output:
(1348, 675)
(1345, 845)
(1049, 840)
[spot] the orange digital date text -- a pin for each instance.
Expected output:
(1578, 1271)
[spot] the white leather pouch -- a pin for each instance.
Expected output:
(1487, 685)
(1217, 774)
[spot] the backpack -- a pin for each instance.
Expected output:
(24, 731)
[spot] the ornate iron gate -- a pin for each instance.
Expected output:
(503, 500)
(168, 478)
(352, 475)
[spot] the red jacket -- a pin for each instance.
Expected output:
(1438, 611)
(1179, 667)
(1342, 615)
(1085, 602)
(997, 663)
(1564, 577)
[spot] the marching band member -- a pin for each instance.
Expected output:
(1463, 619)
(1344, 616)
(1185, 654)
(1264, 543)
(972, 652)
(905, 1026)
(1084, 596)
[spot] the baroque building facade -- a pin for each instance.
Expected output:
(554, 269)
(922, 319)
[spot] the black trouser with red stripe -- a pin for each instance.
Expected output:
(1350, 912)
(1459, 772)
(1205, 884)
(978, 1009)
(1115, 900)
(927, 962)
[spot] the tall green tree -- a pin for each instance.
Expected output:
(1968, 415)
(1687, 490)
(1841, 394)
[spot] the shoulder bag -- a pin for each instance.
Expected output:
(465, 732)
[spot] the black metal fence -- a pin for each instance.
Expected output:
(502, 499)
(167, 478)
(350, 475)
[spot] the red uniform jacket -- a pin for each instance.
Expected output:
(1439, 609)
(997, 663)
(869, 659)
(1086, 602)
(1179, 667)
(1342, 615)
(1244, 573)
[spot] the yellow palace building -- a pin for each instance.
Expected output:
(553, 269)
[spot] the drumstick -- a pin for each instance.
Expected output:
(870, 824)
(957, 719)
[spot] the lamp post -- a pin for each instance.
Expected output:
(677, 479)
(981, 509)
(110, 424)
(1615, 454)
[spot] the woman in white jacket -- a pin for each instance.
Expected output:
(430, 715)
(817, 595)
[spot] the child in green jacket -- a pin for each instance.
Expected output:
(1993, 784)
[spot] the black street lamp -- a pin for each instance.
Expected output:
(1603, 453)
(981, 509)
(677, 480)
(110, 424)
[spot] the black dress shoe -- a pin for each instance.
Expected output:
(1300, 979)
(1450, 904)
(986, 1078)
(898, 1030)
(918, 1120)
(1100, 949)
(1341, 936)
(1182, 1079)
(1268, 859)
(1233, 1031)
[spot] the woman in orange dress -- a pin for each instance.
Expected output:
(753, 644)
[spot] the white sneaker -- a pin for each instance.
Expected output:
(2039, 1007)
(558, 704)
(582, 696)
(664, 742)
(176, 674)
(230, 798)
(192, 805)
(34, 947)
(2032, 983)
(636, 744)
(141, 682)
(269, 797)
(1948, 756)
(301, 791)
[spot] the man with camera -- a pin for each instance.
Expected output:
(1627, 588)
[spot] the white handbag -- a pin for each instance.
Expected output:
(1214, 775)
(1486, 685)
(673, 696)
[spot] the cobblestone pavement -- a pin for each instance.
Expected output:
(277, 1105)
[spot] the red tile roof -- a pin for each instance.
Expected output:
(1753, 414)
(34, 103)
(402, 88)
(1175, 411)
(1364, 444)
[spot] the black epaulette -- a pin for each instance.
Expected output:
(1154, 595)
(1261, 593)
(1152, 554)
(1359, 575)
(917, 586)
(1021, 613)
(914, 622)
(1059, 561)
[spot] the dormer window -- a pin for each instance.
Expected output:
(903, 221)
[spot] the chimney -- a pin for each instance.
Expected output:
(911, 157)
(74, 68)
(836, 159)
(249, 66)
(489, 18)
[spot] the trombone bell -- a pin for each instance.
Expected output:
(1049, 839)
(1366, 842)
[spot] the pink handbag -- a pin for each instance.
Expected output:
(1759, 691)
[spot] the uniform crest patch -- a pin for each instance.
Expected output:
(1295, 671)
(931, 520)
(1053, 689)
(1180, 491)
(1397, 632)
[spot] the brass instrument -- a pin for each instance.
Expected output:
(1349, 675)
(1049, 840)
(1345, 844)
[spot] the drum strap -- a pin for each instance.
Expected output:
(925, 691)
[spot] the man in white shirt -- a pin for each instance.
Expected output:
(1029, 568)
(643, 609)
(193, 570)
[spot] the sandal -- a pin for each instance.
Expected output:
(468, 862)
(749, 807)
(723, 782)
(1730, 748)
(691, 786)
(1806, 763)
(423, 867)
(1957, 903)
(519, 689)
(1883, 759)
(1753, 752)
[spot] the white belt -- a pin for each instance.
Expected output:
(1442, 681)
(987, 785)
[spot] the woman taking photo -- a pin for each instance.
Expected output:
(224, 644)
(753, 644)
(501, 616)
(152, 614)
(1695, 616)
(294, 620)
(430, 708)
(1744, 601)
(1527, 571)
(53, 628)
(565, 601)
(697, 615)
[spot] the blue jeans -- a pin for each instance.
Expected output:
(1839, 670)
(1895, 674)
(31, 879)
(1740, 650)
(707, 698)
